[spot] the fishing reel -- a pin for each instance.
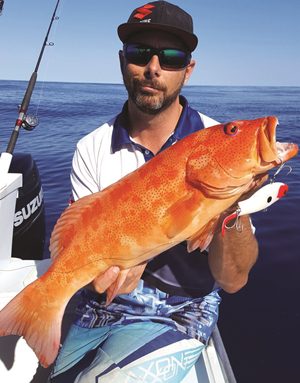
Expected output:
(30, 122)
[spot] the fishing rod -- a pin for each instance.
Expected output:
(1, 6)
(23, 120)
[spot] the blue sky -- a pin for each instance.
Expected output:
(241, 42)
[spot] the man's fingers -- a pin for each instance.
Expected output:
(115, 282)
(115, 287)
(126, 282)
(103, 281)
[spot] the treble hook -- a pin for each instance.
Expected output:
(236, 223)
(283, 165)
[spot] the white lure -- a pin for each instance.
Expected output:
(260, 200)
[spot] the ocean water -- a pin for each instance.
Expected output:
(259, 324)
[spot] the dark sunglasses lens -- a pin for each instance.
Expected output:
(174, 58)
(168, 58)
(137, 55)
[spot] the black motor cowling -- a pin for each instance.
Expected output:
(29, 221)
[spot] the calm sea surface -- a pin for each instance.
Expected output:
(260, 325)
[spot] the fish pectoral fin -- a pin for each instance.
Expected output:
(180, 214)
(202, 238)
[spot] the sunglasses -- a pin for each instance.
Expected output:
(169, 58)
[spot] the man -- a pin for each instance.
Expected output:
(169, 307)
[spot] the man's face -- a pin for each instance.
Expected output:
(150, 87)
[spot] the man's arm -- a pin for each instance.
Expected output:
(231, 257)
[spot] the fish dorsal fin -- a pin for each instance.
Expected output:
(202, 238)
(65, 227)
(181, 214)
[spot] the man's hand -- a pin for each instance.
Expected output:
(115, 281)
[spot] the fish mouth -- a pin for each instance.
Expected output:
(271, 152)
(286, 150)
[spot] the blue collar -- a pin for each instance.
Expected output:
(188, 123)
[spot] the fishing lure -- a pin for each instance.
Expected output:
(262, 199)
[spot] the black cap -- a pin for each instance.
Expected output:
(160, 15)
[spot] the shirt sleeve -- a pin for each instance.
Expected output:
(83, 178)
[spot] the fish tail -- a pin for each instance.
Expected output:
(27, 315)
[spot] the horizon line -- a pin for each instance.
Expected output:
(185, 86)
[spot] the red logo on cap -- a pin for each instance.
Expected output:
(143, 11)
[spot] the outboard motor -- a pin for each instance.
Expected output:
(29, 221)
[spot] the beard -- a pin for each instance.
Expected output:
(146, 102)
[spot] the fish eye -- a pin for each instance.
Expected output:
(231, 129)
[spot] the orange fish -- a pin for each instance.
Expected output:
(180, 194)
